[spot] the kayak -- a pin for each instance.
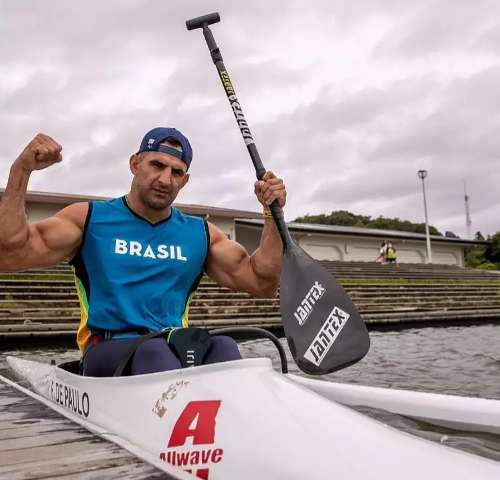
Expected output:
(451, 411)
(242, 419)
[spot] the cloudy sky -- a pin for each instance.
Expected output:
(346, 99)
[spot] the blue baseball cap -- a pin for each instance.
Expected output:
(153, 139)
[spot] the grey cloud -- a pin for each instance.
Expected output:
(435, 26)
(383, 173)
(119, 68)
(490, 40)
(463, 124)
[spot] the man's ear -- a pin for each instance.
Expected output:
(134, 162)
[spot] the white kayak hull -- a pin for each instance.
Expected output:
(451, 411)
(244, 420)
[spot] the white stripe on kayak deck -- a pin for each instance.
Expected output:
(37, 442)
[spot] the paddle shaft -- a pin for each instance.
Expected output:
(275, 208)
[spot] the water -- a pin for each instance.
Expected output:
(452, 360)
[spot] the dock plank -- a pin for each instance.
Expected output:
(6, 425)
(47, 438)
(82, 463)
(37, 443)
(31, 429)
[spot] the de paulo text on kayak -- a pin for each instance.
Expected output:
(70, 398)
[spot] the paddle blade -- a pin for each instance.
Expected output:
(324, 330)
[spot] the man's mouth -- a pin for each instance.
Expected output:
(163, 193)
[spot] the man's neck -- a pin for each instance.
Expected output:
(151, 215)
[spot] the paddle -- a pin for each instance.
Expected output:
(322, 326)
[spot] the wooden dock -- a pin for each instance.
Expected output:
(38, 443)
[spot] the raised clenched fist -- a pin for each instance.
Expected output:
(42, 152)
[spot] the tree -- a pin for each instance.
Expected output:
(348, 219)
(474, 256)
(485, 257)
(492, 252)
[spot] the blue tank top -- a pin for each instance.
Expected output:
(131, 274)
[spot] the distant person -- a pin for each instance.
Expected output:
(382, 257)
(391, 256)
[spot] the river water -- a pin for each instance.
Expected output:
(452, 360)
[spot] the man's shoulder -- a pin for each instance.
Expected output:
(215, 233)
(75, 210)
(76, 213)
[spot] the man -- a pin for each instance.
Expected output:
(382, 253)
(137, 260)
(391, 253)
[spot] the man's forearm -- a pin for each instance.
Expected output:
(267, 259)
(14, 231)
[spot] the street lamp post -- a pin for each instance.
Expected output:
(422, 174)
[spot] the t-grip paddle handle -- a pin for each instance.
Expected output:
(199, 22)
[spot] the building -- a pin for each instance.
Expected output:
(334, 242)
(323, 242)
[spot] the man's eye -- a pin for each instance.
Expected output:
(178, 173)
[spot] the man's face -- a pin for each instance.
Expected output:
(158, 178)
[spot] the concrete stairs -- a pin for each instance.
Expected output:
(44, 302)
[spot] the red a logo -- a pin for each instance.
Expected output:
(198, 421)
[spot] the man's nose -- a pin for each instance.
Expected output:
(166, 176)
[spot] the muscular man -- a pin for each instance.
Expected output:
(137, 260)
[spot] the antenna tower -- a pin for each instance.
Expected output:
(468, 221)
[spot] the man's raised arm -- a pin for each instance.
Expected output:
(45, 243)
(258, 274)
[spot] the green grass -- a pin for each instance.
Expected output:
(347, 281)
(420, 281)
(35, 277)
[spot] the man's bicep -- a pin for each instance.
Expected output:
(230, 265)
(56, 234)
(50, 241)
(226, 263)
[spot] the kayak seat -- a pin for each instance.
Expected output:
(190, 346)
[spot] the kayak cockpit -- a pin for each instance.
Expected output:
(75, 366)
